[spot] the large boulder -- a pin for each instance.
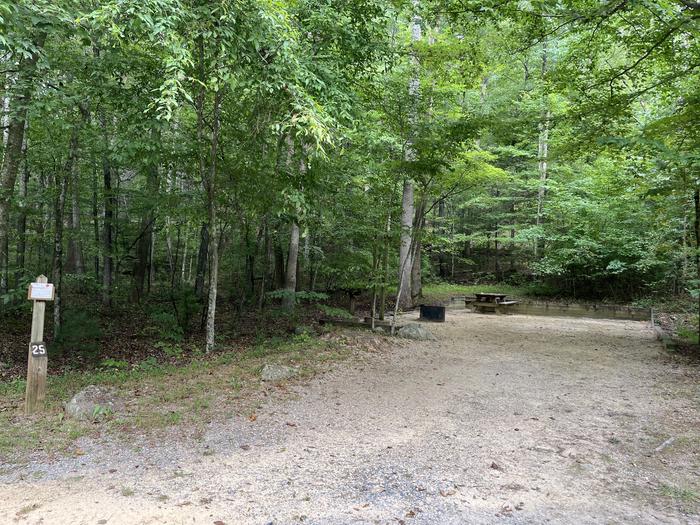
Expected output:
(273, 372)
(416, 331)
(92, 403)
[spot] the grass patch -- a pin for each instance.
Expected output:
(679, 493)
(443, 291)
(157, 395)
(689, 335)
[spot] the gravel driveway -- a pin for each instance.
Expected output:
(504, 419)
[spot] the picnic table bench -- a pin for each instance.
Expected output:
(492, 302)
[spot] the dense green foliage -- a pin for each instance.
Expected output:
(252, 152)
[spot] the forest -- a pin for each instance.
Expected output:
(175, 167)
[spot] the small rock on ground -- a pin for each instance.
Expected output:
(274, 372)
(92, 402)
(416, 331)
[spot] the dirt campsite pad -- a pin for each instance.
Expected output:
(503, 419)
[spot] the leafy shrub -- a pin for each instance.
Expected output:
(83, 283)
(541, 289)
(171, 350)
(186, 306)
(80, 332)
(338, 313)
(298, 296)
(149, 364)
(15, 299)
(165, 327)
(113, 364)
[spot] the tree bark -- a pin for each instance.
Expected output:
(416, 268)
(202, 257)
(143, 246)
(214, 237)
(61, 184)
(290, 281)
(279, 263)
(542, 155)
(108, 226)
(17, 117)
(385, 268)
(95, 222)
(442, 256)
(404, 300)
(75, 262)
(22, 219)
(696, 225)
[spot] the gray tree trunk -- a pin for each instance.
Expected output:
(542, 154)
(108, 228)
(16, 105)
(403, 298)
(214, 235)
(75, 262)
(61, 184)
(405, 261)
(290, 281)
(22, 219)
(143, 245)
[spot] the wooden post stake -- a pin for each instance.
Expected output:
(37, 361)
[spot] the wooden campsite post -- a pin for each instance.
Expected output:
(39, 292)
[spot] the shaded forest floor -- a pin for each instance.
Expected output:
(516, 418)
(101, 343)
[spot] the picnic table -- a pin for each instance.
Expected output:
(490, 297)
(492, 302)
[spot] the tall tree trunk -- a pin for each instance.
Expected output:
(61, 184)
(696, 226)
(290, 281)
(416, 256)
(403, 299)
(22, 219)
(496, 245)
(405, 262)
(17, 105)
(279, 262)
(95, 222)
(202, 258)
(143, 245)
(214, 236)
(542, 154)
(75, 262)
(385, 268)
(269, 261)
(442, 256)
(108, 226)
(185, 253)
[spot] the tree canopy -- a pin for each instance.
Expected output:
(188, 154)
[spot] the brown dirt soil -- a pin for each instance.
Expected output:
(504, 419)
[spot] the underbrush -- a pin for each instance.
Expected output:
(157, 394)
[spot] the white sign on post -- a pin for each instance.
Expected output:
(41, 292)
